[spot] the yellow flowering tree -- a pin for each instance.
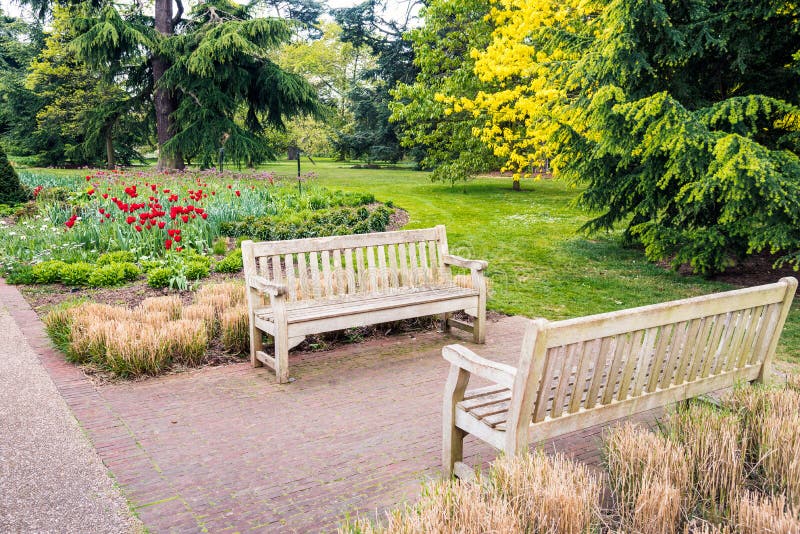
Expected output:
(681, 118)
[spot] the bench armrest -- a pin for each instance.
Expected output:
(464, 358)
(474, 265)
(263, 285)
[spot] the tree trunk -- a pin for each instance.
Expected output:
(164, 103)
(110, 162)
(516, 186)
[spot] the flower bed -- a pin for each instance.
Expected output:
(166, 221)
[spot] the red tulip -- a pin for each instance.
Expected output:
(161, 224)
(185, 218)
(204, 215)
(168, 244)
(177, 238)
(138, 228)
(130, 219)
(238, 193)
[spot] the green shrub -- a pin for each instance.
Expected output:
(149, 265)
(20, 274)
(11, 190)
(160, 277)
(231, 264)
(311, 223)
(119, 256)
(130, 271)
(195, 270)
(106, 276)
(47, 272)
(220, 246)
(76, 274)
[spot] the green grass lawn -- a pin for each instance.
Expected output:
(538, 262)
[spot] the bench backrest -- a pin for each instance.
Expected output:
(339, 266)
(591, 363)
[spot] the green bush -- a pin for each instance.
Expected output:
(231, 264)
(76, 274)
(149, 265)
(194, 270)
(20, 274)
(119, 256)
(160, 277)
(130, 271)
(220, 246)
(106, 276)
(11, 190)
(47, 272)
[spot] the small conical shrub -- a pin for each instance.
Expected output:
(11, 190)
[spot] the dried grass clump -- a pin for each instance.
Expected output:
(650, 478)
(134, 349)
(715, 452)
(446, 507)
(548, 494)
(221, 296)
(171, 305)
(756, 514)
(771, 427)
(155, 334)
(235, 330)
(793, 382)
(58, 324)
(186, 340)
(201, 312)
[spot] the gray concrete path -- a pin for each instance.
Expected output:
(51, 479)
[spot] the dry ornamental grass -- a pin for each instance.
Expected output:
(153, 336)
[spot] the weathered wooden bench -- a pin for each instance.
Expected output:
(331, 283)
(582, 372)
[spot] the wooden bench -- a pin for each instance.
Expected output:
(331, 283)
(582, 372)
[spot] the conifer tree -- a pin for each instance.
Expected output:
(11, 190)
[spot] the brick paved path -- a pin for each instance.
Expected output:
(228, 450)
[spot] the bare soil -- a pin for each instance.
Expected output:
(754, 270)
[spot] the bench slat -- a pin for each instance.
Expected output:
(480, 392)
(771, 318)
(304, 289)
(291, 283)
(326, 273)
(598, 375)
(316, 281)
(394, 278)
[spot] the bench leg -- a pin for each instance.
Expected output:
(479, 326)
(445, 323)
(452, 436)
(256, 344)
(282, 357)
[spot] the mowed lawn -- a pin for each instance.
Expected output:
(539, 264)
